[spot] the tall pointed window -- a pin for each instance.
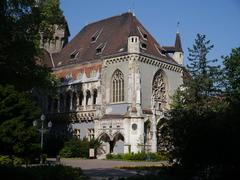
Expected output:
(117, 86)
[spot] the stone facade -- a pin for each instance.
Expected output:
(121, 97)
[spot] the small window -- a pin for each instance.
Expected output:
(134, 126)
(74, 54)
(90, 134)
(77, 133)
(96, 35)
(100, 48)
(143, 33)
(144, 46)
(145, 36)
(93, 39)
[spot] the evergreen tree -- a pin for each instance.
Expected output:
(17, 135)
(205, 76)
(194, 124)
(232, 74)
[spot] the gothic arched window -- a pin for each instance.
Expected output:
(159, 89)
(117, 86)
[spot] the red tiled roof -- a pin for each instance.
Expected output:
(113, 36)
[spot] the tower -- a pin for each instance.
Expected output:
(59, 39)
(133, 44)
(178, 54)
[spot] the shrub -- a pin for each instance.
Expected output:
(71, 148)
(79, 148)
(18, 161)
(5, 160)
(41, 172)
(13, 161)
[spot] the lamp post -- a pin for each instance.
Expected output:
(42, 130)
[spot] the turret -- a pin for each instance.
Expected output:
(133, 44)
(178, 54)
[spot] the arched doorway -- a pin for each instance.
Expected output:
(105, 139)
(114, 145)
(118, 143)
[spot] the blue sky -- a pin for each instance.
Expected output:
(219, 20)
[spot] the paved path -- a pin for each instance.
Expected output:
(105, 169)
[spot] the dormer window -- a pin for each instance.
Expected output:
(96, 35)
(143, 33)
(93, 39)
(145, 36)
(74, 54)
(161, 51)
(100, 48)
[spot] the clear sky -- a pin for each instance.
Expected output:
(219, 20)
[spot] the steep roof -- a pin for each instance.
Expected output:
(111, 35)
(178, 44)
(177, 47)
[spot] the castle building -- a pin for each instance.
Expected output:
(116, 83)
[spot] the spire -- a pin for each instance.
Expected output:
(178, 26)
(178, 44)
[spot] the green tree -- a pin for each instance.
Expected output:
(17, 135)
(232, 113)
(23, 22)
(195, 125)
(232, 74)
(205, 75)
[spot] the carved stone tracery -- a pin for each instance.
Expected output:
(159, 88)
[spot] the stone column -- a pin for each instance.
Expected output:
(91, 99)
(126, 127)
(84, 100)
(154, 132)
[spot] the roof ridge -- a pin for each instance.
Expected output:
(107, 18)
